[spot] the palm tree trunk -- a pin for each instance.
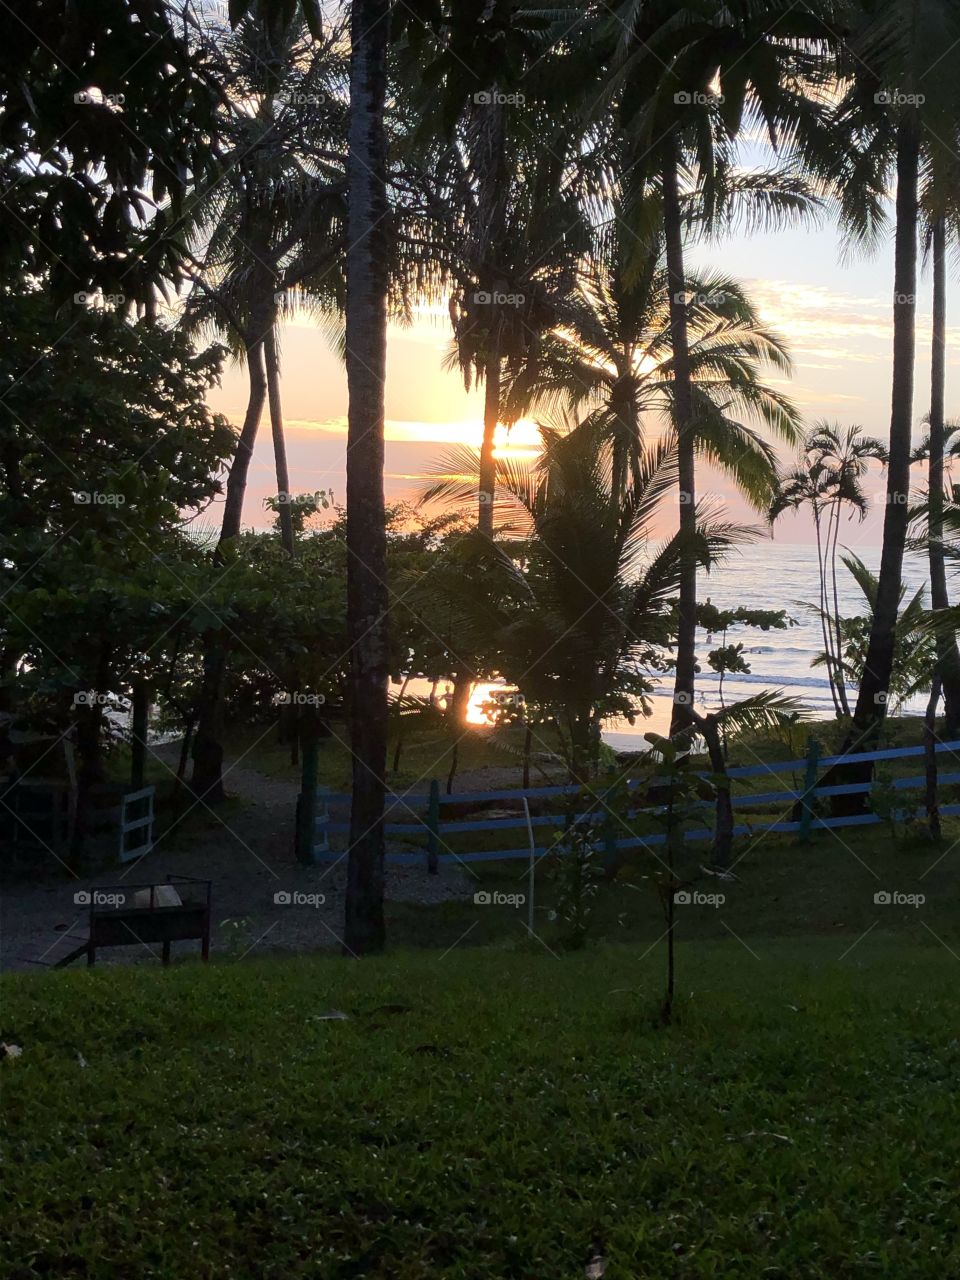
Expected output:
(824, 629)
(686, 462)
(947, 652)
(636, 443)
(207, 778)
(491, 419)
(872, 699)
(237, 479)
(206, 781)
(279, 445)
(366, 344)
(837, 629)
(460, 700)
(618, 473)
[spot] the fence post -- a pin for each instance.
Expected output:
(809, 783)
(433, 827)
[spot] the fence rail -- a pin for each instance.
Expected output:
(424, 810)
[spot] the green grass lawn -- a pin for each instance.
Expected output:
(492, 1112)
(782, 889)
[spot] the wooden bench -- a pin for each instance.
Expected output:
(177, 910)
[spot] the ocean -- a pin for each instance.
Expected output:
(770, 575)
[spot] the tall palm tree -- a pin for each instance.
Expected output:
(366, 348)
(941, 220)
(689, 76)
(896, 114)
(269, 232)
(266, 236)
(829, 480)
(532, 269)
(497, 92)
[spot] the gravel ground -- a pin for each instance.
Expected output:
(249, 857)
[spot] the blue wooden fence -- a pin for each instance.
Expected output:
(424, 810)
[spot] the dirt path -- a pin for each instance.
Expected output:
(262, 897)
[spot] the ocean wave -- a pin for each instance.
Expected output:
(771, 679)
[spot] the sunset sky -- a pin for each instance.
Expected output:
(833, 309)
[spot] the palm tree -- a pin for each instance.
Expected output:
(502, 114)
(948, 652)
(269, 232)
(366, 342)
(896, 116)
(829, 480)
(498, 328)
(499, 144)
(688, 77)
(577, 600)
(611, 353)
